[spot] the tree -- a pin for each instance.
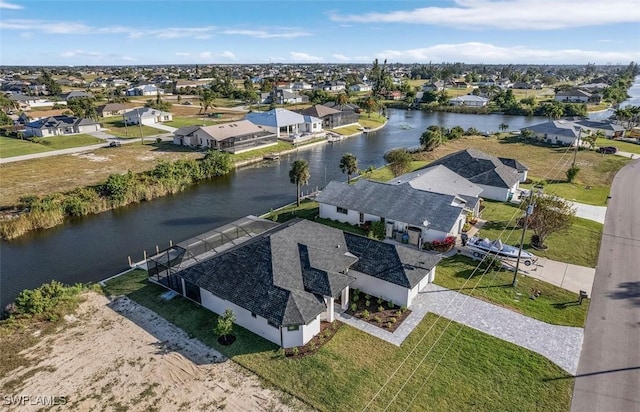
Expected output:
(591, 138)
(224, 326)
(299, 175)
(431, 138)
(349, 165)
(370, 105)
(571, 173)
(207, 98)
(399, 161)
(503, 127)
(550, 215)
(342, 99)
(83, 107)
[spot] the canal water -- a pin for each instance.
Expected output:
(94, 247)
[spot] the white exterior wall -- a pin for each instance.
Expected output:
(301, 336)
(523, 175)
(417, 288)
(88, 128)
(257, 325)
(494, 193)
(378, 287)
(330, 212)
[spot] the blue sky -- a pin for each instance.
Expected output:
(98, 32)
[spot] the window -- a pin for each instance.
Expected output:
(253, 315)
(342, 210)
(272, 324)
(292, 328)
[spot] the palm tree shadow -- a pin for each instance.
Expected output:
(628, 290)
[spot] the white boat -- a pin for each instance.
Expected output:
(335, 138)
(480, 247)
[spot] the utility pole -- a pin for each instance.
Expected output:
(527, 213)
(575, 152)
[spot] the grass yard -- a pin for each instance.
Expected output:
(181, 121)
(495, 287)
(67, 172)
(10, 147)
(579, 245)
(384, 174)
(465, 370)
(260, 153)
(117, 128)
(620, 144)
(309, 210)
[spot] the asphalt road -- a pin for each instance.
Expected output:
(608, 377)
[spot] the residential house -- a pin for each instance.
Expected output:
(146, 90)
(281, 283)
(332, 86)
(361, 87)
(425, 216)
(60, 125)
(111, 109)
(290, 126)
(610, 130)
(568, 132)
(497, 180)
(469, 100)
(75, 95)
(436, 86)
(573, 96)
(349, 107)
(184, 83)
(232, 137)
(394, 95)
(146, 115)
(301, 86)
(289, 97)
(439, 179)
(331, 117)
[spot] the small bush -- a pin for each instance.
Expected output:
(389, 325)
(158, 140)
(380, 308)
(367, 303)
(378, 319)
(354, 307)
(391, 305)
(403, 309)
(380, 300)
(393, 320)
(295, 351)
(399, 312)
(367, 297)
(365, 314)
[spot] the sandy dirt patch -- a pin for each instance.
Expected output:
(120, 356)
(92, 157)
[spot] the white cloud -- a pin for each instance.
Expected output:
(9, 6)
(205, 55)
(182, 54)
(510, 14)
(227, 55)
(263, 34)
(475, 52)
(81, 53)
(340, 57)
(300, 57)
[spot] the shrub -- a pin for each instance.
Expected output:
(378, 319)
(367, 297)
(355, 298)
(403, 309)
(158, 140)
(399, 312)
(354, 307)
(380, 300)
(367, 303)
(380, 308)
(466, 227)
(393, 320)
(51, 300)
(365, 314)
(295, 350)
(378, 230)
(389, 325)
(390, 305)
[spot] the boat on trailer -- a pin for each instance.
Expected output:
(481, 247)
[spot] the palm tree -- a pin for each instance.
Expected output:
(348, 165)
(207, 98)
(299, 175)
(342, 99)
(370, 105)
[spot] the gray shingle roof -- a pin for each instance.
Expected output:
(438, 179)
(282, 274)
(513, 163)
(395, 202)
(480, 168)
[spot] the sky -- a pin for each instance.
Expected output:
(138, 32)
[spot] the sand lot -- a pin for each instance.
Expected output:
(120, 356)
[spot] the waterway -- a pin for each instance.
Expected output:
(94, 247)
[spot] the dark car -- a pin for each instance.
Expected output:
(115, 144)
(607, 150)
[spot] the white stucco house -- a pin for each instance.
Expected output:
(469, 100)
(287, 125)
(60, 125)
(282, 283)
(424, 216)
(573, 96)
(497, 179)
(146, 115)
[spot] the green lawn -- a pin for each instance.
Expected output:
(181, 121)
(465, 370)
(309, 210)
(578, 245)
(10, 147)
(495, 287)
(117, 128)
(383, 174)
(621, 145)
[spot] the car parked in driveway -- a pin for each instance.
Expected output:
(115, 144)
(608, 150)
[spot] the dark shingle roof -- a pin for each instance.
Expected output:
(480, 168)
(513, 163)
(282, 274)
(54, 122)
(396, 202)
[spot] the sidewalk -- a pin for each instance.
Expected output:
(559, 344)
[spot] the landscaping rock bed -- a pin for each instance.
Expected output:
(378, 312)
(327, 330)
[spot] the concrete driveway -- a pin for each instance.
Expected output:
(595, 213)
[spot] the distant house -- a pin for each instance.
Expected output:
(184, 83)
(281, 283)
(301, 86)
(436, 86)
(349, 107)
(146, 90)
(469, 100)
(233, 137)
(60, 125)
(76, 94)
(289, 97)
(290, 126)
(332, 86)
(146, 115)
(111, 109)
(331, 117)
(497, 180)
(394, 95)
(573, 96)
(361, 87)
(568, 132)
(424, 215)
